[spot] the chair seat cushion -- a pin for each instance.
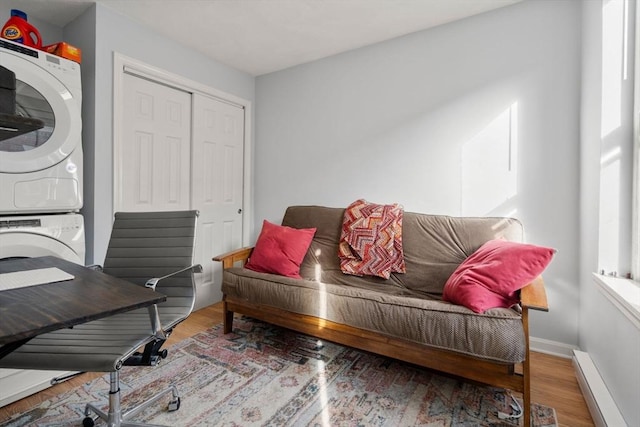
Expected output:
(98, 346)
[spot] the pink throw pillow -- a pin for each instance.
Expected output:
(280, 249)
(493, 274)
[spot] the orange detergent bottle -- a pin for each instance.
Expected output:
(17, 29)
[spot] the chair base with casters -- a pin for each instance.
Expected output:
(115, 417)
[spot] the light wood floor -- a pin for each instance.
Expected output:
(553, 380)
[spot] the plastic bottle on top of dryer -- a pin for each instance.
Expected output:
(18, 29)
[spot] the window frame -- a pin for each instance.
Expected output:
(635, 226)
(635, 200)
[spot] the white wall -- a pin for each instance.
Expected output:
(611, 339)
(81, 33)
(113, 32)
(394, 122)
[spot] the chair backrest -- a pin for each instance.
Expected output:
(146, 245)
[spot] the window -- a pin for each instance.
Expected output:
(619, 213)
(635, 254)
(635, 227)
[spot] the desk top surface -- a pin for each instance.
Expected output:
(34, 310)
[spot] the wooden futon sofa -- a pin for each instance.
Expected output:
(403, 317)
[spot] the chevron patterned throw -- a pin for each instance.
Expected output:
(371, 240)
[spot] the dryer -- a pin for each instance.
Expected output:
(60, 235)
(41, 171)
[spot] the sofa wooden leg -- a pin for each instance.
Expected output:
(227, 320)
(526, 407)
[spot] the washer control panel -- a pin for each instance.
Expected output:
(64, 227)
(19, 223)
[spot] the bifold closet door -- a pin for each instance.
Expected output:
(154, 157)
(217, 185)
(183, 150)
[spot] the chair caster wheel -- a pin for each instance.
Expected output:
(88, 422)
(163, 353)
(174, 405)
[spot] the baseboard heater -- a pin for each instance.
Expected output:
(603, 409)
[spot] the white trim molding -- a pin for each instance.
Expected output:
(624, 294)
(554, 348)
(602, 407)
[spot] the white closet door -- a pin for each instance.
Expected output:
(153, 159)
(180, 149)
(218, 159)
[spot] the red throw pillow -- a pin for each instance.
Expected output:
(493, 274)
(280, 249)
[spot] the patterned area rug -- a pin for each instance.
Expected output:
(262, 375)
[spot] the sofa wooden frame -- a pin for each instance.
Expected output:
(508, 376)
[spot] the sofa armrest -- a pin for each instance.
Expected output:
(230, 258)
(534, 295)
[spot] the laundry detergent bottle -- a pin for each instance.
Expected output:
(17, 29)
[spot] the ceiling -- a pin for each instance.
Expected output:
(262, 36)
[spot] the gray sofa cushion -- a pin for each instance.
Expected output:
(407, 306)
(496, 335)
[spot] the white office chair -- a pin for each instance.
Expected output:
(153, 249)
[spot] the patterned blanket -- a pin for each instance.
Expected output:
(371, 240)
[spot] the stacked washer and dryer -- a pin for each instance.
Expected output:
(40, 176)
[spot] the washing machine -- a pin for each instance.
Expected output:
(41, 170)
(60, 235)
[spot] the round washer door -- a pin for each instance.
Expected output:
(30, 245)
(40, 95)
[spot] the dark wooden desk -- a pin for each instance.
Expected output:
(34, 310)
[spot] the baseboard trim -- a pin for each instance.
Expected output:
(602, 407)
(553, 348)
(20, 383)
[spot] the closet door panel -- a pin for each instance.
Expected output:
(154, 157)
(218, 161)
